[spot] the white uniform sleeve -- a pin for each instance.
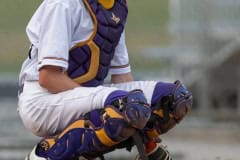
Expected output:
(55, 36)
(120, 61)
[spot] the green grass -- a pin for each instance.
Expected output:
(14, 14)
(146, 26)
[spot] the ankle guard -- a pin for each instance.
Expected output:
(156, 152)
(170, 104)
(160, 153)
(100, 130)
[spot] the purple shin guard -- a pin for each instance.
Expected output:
(132, 105)
(170, 104)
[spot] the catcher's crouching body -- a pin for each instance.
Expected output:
(103, 130)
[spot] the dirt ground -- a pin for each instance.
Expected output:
(204, 144)
(198, 139)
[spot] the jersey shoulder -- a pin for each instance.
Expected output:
(67, 3)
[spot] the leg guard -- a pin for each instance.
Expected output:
(170, 104)
(100, 130)
(158, 152)
(133, 106)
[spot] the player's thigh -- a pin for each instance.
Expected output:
(146, 86)
(48, 114)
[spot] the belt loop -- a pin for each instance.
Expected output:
(29, 51)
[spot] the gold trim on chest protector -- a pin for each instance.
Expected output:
(94, 51)
(107, 4)
(95, 24)
(94, 64)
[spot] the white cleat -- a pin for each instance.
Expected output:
(33, 156)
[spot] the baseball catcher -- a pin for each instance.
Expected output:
(62, 96)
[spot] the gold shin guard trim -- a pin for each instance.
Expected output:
(153, 133)
(48, 143)
(77, 124)
(112, 113)
(104, 139)
(159, 113)
(107, 4)
(94, 51)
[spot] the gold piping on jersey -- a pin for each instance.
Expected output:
(122, 66)
(94, 50)
(107, 4)
(55, 58)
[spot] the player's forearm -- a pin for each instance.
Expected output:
(121, 78)
(55, 81)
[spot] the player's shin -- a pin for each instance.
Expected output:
(170, 104)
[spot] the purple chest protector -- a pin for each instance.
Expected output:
(89, 61)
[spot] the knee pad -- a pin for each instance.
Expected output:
(170, 104)
(133, 106)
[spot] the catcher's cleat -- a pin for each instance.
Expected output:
(33, 156)
(99, 130)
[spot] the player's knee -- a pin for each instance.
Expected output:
(174, 96)
(31, 125)
(170, 104)
(37, 128)
(133, 105)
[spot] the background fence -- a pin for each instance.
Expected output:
(205, 49)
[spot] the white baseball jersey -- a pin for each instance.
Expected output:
(58, 25)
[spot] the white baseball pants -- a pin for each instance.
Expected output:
(46, 114)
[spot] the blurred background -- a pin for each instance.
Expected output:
(194, 41)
